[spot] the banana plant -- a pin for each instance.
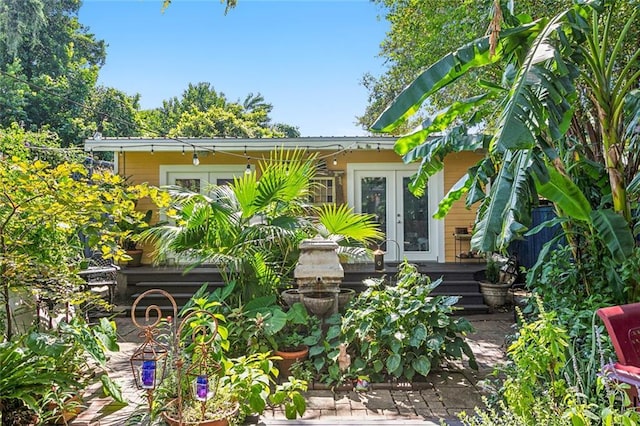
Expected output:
(554, 70)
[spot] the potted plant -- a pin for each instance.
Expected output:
(494, 290)
(132, 227)
(237, 386)
(291, 342)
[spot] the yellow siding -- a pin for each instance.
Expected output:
(143, 167)
(455, 166)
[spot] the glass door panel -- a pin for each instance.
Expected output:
(373, 199)
(415, 226)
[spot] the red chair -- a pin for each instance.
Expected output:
(623, 326)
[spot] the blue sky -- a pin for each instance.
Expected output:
(306, 57)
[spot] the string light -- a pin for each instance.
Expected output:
(335, 161)
(182, 149)
(121, 150)
(248, 170)
(196, 160)
(378, 147)
(152, 151)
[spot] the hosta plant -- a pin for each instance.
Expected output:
(400, 330)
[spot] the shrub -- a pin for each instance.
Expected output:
(402, 330)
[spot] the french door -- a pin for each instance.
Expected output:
(411, 232)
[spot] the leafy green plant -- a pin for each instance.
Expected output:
(249, 379)
(403, 329)
(251, 228)
(537, 388)
(492, 273)
(323, 355)
(28, 377)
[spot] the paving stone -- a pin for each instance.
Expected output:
(448, 378)
(430, 396)
(445, 393)
(310, 414)
(320, 400)
(452, 397)
(343, 410)
(380, 400)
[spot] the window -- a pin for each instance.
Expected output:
(323, 190)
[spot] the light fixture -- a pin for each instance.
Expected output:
(378, 147)
(152, 151)
(196, 160)
(182, 149)
(248, 170)
(121, 151)
(335, 161)
(97, 136)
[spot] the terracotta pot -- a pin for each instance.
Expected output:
(136, 258)
(172, 421)
(288, 358)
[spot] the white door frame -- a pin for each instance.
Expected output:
(394, 202)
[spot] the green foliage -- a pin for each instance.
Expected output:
(50, 57)
(29, 377)
(538, 355)
(252, 227)
(561, 75)
(43, 213)
(411, 45)
(43, 368)
(548, 382)
(492, 273)
(248, 379)
(402, 330)
(202, 111)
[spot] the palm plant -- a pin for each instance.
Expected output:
(252, 227)
(567, 116)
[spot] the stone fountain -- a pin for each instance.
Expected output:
(318, 275)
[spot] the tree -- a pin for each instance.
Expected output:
(421, 32)
(569, 111)
(201, 111)
(43, 214)
(111, 112)
(50, 63)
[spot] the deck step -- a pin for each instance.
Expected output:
(458, 279)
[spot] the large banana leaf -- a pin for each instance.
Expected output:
(439, 123)
(537, 103)
(505, 213)
(434, 152)
(456, 192)
(448, 69)
(614, 231)
(565, 195)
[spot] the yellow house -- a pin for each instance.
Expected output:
(362, 171)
